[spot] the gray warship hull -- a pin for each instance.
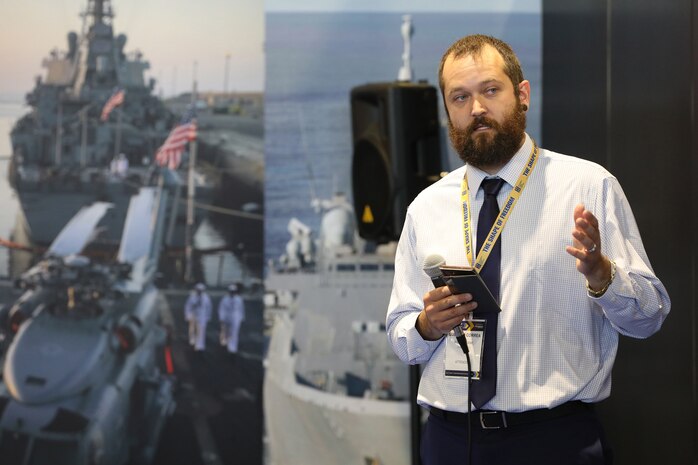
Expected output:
(312, 413)
(48, 204)
(334, 392)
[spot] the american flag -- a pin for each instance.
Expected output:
(116, 99)
(170, 152)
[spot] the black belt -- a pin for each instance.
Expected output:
(495, 419)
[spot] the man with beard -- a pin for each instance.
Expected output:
(563, 258)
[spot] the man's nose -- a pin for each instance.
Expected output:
(478, 108)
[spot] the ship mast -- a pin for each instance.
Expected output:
(99, 11)
(97, 34)
(407, 30)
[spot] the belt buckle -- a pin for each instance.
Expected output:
(484, 426)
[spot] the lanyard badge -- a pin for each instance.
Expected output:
(456, 363)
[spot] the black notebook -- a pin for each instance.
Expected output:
(462, 279)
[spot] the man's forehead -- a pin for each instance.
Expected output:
(487, 55)
(472, 70)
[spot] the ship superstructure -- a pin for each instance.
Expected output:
(65, 153)
(334, 392)
(64, 130)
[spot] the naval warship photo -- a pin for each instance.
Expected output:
(94, 127)
(103, 245)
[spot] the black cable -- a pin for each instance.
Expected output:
(460, 337)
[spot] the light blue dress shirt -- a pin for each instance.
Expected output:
(555, 343)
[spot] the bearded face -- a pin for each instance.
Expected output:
(493, 147)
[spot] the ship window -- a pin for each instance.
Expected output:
(388, 267)
(346, 267)
(369, 267)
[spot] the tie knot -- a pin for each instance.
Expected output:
(491, 186)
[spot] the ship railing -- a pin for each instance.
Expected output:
(356, 272)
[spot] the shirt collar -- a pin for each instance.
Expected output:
(509, 172)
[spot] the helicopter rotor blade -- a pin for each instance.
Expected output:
(137, 237)
(79, 231)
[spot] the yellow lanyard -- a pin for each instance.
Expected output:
(503, 217)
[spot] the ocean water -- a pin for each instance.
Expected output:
(313, 60)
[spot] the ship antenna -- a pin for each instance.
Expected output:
(99, 11)
(407, 30)
(304, 144)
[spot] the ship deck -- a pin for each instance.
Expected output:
(218, 418)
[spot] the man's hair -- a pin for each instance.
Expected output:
(473, 45)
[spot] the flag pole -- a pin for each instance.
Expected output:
(117, 144)
(191, 193)
(59, 133)
(83, 135)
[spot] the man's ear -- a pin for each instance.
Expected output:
(524, 94)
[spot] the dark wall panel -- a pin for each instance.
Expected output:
(574, 78)
(650, 152)
(644, 62)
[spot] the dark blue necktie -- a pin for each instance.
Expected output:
(484, 389)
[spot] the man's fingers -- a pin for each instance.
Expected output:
(456, 300)
(584, 241)
(582, 224)
(445, 310)
(446, 313)
(451, 321)
(591, 219)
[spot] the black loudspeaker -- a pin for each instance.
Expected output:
(397, 153)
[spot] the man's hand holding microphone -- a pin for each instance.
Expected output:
(443, 310)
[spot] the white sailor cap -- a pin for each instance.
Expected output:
(233, 288)
(200, 287)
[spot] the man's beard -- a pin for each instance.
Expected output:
(484, 150)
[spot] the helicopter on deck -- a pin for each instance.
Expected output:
(85, 378)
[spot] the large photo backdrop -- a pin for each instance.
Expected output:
(99, 363)
(333, 391)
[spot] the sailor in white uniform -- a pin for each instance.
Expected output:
(197, 312)
(231, 313)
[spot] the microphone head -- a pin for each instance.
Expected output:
(431, 265)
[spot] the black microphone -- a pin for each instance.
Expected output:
(431, 268)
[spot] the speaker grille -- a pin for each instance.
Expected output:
(396, 153)
(372, 203)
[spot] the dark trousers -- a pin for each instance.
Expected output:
(575, 439)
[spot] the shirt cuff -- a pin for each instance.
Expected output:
(633, 310)
(419, 350)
